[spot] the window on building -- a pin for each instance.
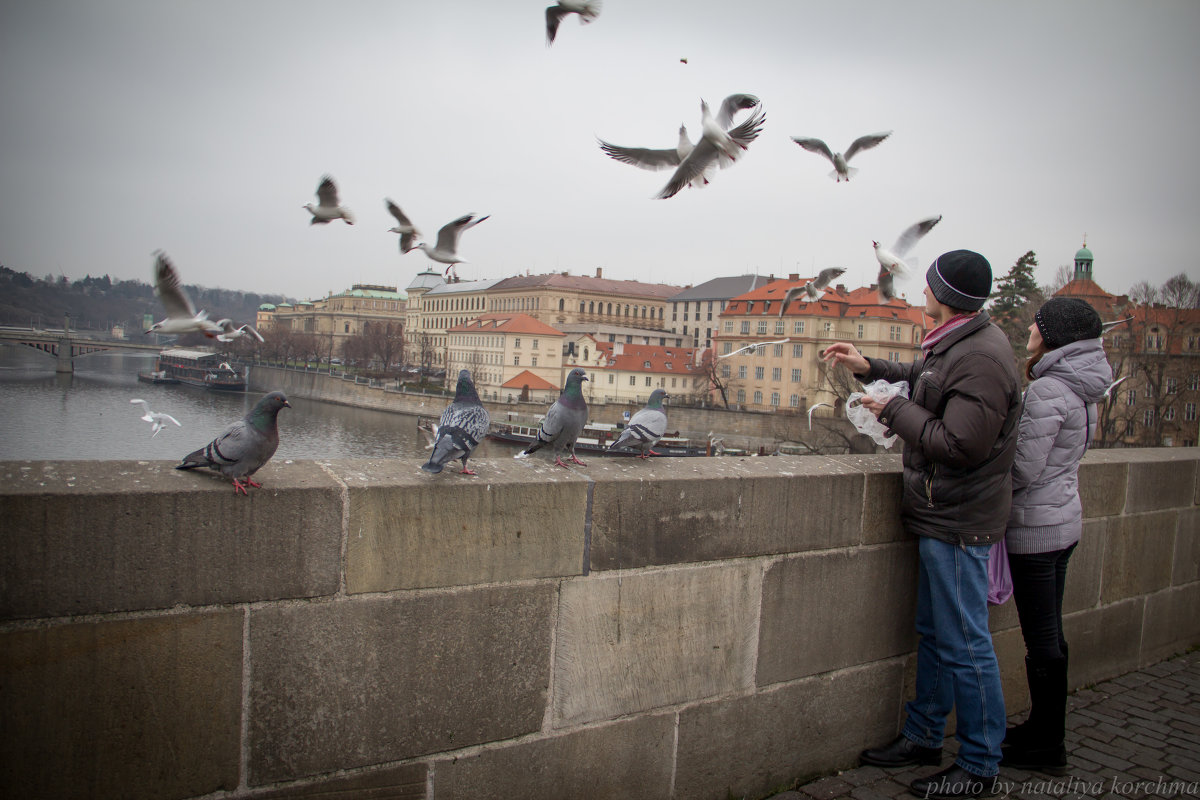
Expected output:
(1169, 413)
(758, 373)
(726, 348)
(762, 327)
(758, 398)
(673, 382)
(728, 326)
(777, 351)
(1148, 417)
(612, 378)
(827, 328)
(725, 370)
(745, 326)
(794, 401)
(894, 333)
(798, 326)
(1189, 412)
(742, 371)
(797, 351)
(862, 330)
(779, 327)
(648, 380)
(741, 396)
(1193, 382)
(1131, 397)
(777, 373)
(1172, 385)
(516, 361)
(347, 327)
(535, 344)
(775, 399)
(633, 380)
(795, 376)
(533, 361)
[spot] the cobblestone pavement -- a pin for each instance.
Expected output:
(1132, 737)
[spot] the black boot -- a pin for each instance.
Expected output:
(901, 752)
(1037, 744)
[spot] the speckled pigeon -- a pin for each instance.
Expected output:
(241, 449)
(462, 427)
(646, 427)
(564, 421)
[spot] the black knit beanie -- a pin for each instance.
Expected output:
(961, 279)
(1062, 320)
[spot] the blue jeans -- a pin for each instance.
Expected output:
(956, 665)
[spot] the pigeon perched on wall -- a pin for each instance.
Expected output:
(811, 290)
(645, 428)
(587, 10)
(462, 427)
(404, 226)
(328, 207)
(240, 450)
(842, 171)
(563, 422)
(182, 316)
(157, 419)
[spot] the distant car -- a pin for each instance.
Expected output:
(335, 361)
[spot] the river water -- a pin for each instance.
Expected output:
(87, 415)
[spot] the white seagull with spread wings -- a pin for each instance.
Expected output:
(717, 146)
(892, 263)
(446, 251)
(328, 207)
(182, 316)
(157, 419)
(842, 171)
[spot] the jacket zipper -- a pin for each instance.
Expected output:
(929, 487)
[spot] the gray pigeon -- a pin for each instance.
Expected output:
(240, 450)
(564, 421)
(811, 290)
(646, 427)
(463, 425)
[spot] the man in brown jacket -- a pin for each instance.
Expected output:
(960, 432)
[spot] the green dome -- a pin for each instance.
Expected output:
(1084, 255)
(267, 307)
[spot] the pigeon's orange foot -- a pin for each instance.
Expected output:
(254, 483)
(577, 461)
(238, 486)
(466, 471)
(558, 462)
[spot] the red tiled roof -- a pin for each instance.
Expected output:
(527, 378)
(506, 323)
(835, 302)
(634, 357)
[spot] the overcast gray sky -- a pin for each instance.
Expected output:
(201, 128)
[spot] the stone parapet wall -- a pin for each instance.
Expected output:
(679, 628)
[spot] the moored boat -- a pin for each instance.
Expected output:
(199, 368)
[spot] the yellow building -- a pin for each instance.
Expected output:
(628, 373)
(338, 316)
(783, 370)
(510, 356)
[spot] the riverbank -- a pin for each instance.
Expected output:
(743, 430)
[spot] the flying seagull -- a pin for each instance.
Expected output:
(328, 208)
(182, 316)
(563, 422)
(891, 262)
(462, 427)
(229, 333)
(240, 450)
(1107, 392)
(587, 10)
(157, 419)
(446, 251)
(752, 347)
(404, 227)
(811, 290)
(646, 427)
(717, 146)
(842, 171)
(813, 408)
(1109, 325)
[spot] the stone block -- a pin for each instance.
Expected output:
(1102, 482)
(1187, 548)
(669, 511)
(629, 643)
(350, 683)
(1104, 641)
(1085, 569)
(1003, 617)
(630, 758)
(405, 782)
(881, 497)
(1172, 625)
(1010, 653)
(102, 536)
(138, 708)
(408, 529)
(1160, 478)
(1138, 551)
(749, 746)
(828, 610)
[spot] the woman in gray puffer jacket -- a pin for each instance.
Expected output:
(1069, 373)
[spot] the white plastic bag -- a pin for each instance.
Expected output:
(866, 422)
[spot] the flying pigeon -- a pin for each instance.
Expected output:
(811, 290)
(813, 408)
(842, 171)
(157, 419)
(182, 316)
(241, 449)
(463, 425)
(328, 208)
(229, 333)
(563, 422)
(891, 262)
(404, 227)
(752, 347)
(587, 10)
(716, 146)
(646, 427)
(446, 251)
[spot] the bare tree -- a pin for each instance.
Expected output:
(718, 376)
(1062, 276)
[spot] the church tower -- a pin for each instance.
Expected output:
(1083, 262)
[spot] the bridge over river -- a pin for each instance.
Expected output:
(64, 345)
